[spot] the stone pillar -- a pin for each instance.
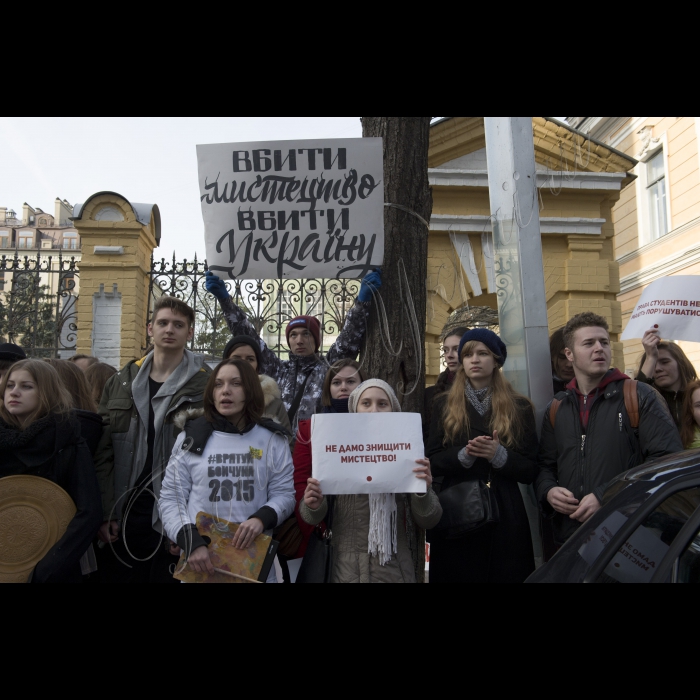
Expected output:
(117, 240)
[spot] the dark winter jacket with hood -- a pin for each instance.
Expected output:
(674, 399)
(292, 374)
(593, 442)
(52, 448)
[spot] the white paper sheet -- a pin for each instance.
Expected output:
(367, 453)
(672, 303)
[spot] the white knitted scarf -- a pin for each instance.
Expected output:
(383, 538)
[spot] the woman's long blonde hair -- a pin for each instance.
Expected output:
(53, 396)
(506, 414)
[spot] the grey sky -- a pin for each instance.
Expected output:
(146, 159)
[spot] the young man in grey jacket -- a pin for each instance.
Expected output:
(138, 407)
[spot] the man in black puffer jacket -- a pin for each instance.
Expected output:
(590, 439)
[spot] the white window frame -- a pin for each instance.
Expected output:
(643, 204)
(26, 234)
(73, 238)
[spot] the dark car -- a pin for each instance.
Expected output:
(648, 530)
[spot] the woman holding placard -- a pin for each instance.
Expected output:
(374, 536)
(666, 367)
(690, 426)
(342, 379)
(228, 462)
(483, 443)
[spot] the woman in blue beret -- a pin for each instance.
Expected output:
(482, 433)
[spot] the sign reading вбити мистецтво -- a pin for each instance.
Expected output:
(293, 209)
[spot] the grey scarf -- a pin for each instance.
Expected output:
(481, 399)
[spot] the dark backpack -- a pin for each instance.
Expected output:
(631, 404)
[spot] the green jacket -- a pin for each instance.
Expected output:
(121, 455)
(696, 445)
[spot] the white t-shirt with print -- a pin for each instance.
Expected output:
(234, 478)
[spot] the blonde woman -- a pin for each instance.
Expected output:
(483, 430)
(374, 536)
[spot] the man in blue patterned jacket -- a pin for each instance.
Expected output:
(301, 377)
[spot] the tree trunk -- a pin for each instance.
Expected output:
(406, 143)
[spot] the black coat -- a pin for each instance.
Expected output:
(53, 449)
(432, 394)
(611, 446)
(504, 552)
(90, 429)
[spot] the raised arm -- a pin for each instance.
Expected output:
(651, 341)
(239, 324)
(349, 341)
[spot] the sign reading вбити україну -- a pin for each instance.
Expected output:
(293, 209)
(672, 304)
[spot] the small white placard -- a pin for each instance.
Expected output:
(365, 453)
(672, 304)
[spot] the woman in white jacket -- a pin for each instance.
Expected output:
(231, 463)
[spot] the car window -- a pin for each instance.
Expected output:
(640, 557)
(689, 568)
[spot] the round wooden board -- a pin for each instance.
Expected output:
(34, 515)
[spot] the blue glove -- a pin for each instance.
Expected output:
(217, 287)
(370, 284)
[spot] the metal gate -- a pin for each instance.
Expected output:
(39, 304)
(269, 304)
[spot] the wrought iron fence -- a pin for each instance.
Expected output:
(269, 304)
(39, 304)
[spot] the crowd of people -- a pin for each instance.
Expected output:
(143, 450)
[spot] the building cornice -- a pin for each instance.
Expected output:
(548, 226)
(557, 180)
(661, 243)
(665, 268)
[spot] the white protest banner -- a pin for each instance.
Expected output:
(293, 209)
(365, 453)
(672, 304)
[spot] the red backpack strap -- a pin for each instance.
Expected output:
(553, 410)
(632, 402)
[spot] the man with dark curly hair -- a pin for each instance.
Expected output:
(590, 434)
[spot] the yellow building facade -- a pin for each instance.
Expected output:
(657, 221)
(580, 182)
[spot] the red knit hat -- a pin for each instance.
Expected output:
(311, 324)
